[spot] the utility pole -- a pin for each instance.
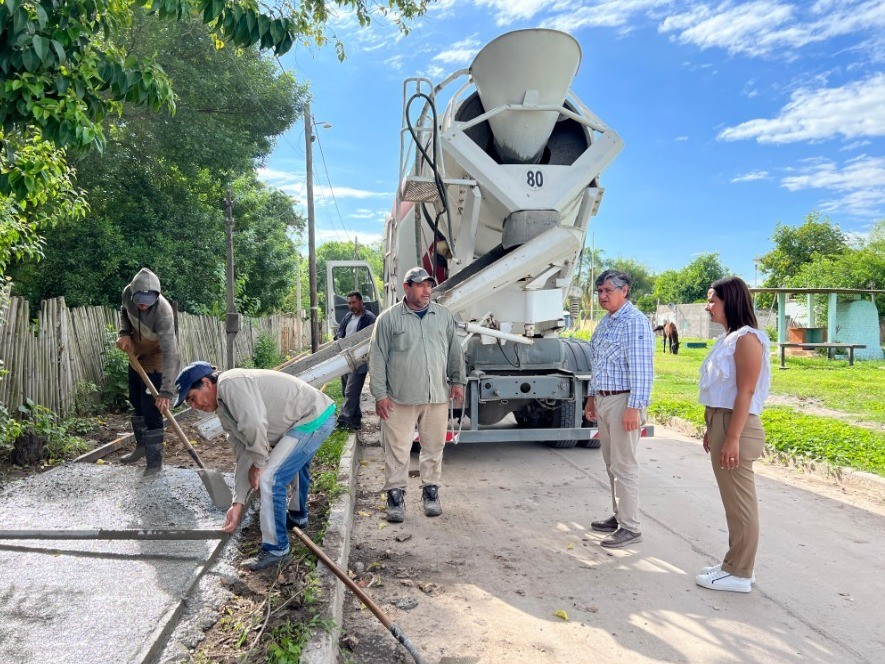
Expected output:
(311, 232)
(356, 257)
(232, 320)
(299, 312)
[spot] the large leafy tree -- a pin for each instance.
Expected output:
(63, 70)
(264, 246)
(689, 284)
(794, 246)
(643, 281)
(156, 191)
(860, 267)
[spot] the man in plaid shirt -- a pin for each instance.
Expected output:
(621, 356)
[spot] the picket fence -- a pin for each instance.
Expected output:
(67, 350)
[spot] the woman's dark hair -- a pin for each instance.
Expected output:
(737, 301)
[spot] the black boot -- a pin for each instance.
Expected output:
(396, 505)
(153, 444)
(138, 429)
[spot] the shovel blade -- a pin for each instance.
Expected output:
(218, 490)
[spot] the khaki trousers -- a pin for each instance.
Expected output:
(619, 453)
(737, 488)
(397, 435)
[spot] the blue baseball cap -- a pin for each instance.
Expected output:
(191, 374)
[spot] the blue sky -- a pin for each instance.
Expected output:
(735, 116)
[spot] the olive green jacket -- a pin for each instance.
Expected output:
(414, 360)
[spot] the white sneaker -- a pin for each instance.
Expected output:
(719, 580)
(718, 566)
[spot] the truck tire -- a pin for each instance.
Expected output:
(563, 417)
(593, 443)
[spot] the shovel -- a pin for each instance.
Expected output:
(212, 479)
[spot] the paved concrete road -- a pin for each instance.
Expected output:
(98, 601)
(482, 582)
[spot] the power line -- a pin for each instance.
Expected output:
(331, 188)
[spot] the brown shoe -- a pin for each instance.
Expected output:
(621, 537)
(608, 525)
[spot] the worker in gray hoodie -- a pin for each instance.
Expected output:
(147, 329)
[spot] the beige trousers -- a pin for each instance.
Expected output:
(397, 435)
(737, 488)
(619, 453)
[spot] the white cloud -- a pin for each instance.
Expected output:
(859, 184)
(433, 72)
(605, 14)
(508, 11)
(772, 27)
(854, 145)
(293, 183)
(365, 213)
(275, 178)
(350, 192)
(751, 176)
(461, 52)
(854, 110)
(396, 62)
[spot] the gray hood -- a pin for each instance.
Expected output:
(145, 280)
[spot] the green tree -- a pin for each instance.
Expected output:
(863, 267)
(795, 246)
(264, 246)
(64, 70)
(156, 193)
(643, 282)
(690, 284)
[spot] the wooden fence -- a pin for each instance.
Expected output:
(68, 348)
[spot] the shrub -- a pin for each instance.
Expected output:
(41, 435)
(266, 355)
(115, 387)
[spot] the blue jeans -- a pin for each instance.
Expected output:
(289, 457)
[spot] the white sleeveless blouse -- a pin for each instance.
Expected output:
(718, 383)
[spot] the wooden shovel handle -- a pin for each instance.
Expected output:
(175, 426)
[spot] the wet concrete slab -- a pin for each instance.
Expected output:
(93, 600)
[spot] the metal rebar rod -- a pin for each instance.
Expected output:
(107, 534)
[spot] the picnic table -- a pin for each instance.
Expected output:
(831, 347)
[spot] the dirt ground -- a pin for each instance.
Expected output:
(442, 580)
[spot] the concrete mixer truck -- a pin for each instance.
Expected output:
(499, 178)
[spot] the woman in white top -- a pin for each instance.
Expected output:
(735, 379)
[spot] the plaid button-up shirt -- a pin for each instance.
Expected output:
(622, 354)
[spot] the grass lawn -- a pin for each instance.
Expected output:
(853, 435)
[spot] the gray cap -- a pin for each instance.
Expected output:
(417, 275)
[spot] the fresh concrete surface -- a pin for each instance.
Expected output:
(514, 546)
(98, 601)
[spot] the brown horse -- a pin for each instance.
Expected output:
(671, 336)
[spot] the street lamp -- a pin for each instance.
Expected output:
(309, 138)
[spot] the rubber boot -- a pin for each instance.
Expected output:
(138, 429)
(153, 445)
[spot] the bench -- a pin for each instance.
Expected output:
(831, 349)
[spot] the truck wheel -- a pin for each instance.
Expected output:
(593, 443)
(563, 417)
